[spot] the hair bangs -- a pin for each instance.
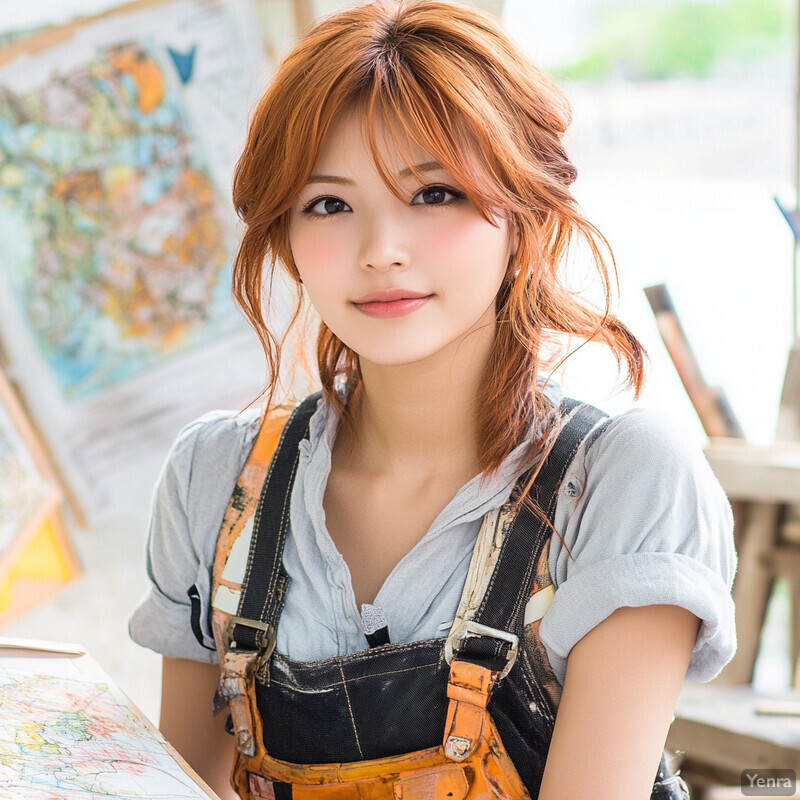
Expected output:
(414, 113)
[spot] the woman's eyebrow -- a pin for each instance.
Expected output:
(404, 173)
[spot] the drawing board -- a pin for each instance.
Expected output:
(118, 138)
(75, 735)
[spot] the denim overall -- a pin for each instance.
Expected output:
(462, 717)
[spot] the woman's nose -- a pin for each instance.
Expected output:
(385, 245)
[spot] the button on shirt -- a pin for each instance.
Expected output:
(642, 513)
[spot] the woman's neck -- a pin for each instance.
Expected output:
(420, 418)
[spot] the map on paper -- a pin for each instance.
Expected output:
(118, 139)
(111, 229)
(74, 737)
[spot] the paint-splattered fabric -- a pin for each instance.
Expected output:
(642, 513)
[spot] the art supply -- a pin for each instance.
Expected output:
(68, 731)
(139, 113)
(35, 556)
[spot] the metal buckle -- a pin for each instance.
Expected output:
(272, 634)
(467, 628)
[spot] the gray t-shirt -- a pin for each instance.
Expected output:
(644, 516)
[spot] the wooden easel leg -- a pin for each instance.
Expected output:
(794, 639)
(788, 429)
(303, 16)
(751, 589)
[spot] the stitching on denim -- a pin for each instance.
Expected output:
(367, 655)
(295, 688)
(286, 507)
(393, 672)
(269, 594)
(350, 709)
(355, 679)
(259, 504)
(372, 654)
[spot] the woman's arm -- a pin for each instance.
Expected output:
(187, 723)
(622, 683)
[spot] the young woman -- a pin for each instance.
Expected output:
(468, 566)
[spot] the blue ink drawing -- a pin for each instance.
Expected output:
(184, 62)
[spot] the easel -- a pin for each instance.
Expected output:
(14, 400)
(40, 535)
(767, 480)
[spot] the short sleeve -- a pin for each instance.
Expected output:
(647, 523)
(187, 507)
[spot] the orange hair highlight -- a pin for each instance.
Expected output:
(454, 83)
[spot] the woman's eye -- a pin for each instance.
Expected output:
(329, 204)
(435, 192)
(332, 206)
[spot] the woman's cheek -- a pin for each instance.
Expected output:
(317, 261)
(471, 247)
(309, 251)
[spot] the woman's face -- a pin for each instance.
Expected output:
(351, 237)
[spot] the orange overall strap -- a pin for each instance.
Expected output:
(227, 578)
(469, 688)
(245, 495)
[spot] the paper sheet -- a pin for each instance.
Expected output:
(117, 234)
(67, 731)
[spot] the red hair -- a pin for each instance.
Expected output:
(462, 90)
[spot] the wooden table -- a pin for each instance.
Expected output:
(718, 730)
(718, 724)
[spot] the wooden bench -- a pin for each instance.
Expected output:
(718, 729)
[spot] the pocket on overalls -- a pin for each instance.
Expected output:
(447, 783)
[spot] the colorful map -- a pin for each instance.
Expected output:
(112, 234)
(70, 739)
(119, 135)
(22, 488)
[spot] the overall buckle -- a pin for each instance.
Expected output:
(466, 628)
(265, 650)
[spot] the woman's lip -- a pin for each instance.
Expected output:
(389, 295)
(394, 308)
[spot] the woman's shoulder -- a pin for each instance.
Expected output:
(217, 432)
(210, 451)
(643, 483)
(219, 428)
(647, 441)
(646, 522)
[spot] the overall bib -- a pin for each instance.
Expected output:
(469, 716)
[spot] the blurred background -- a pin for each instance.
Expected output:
(683, 134)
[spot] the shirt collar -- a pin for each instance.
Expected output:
(470, 501)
